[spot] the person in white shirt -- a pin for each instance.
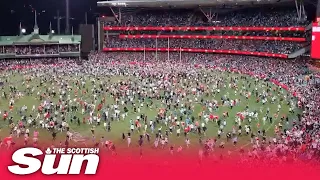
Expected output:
(129, 141)
(105, 125)
(219, 133)
(247, 130)
(38, 116)
(187, 142)
(150, 123)
(156, 143)
(27, 132)
(163, 143)
(131, 127)
(279, 107)
(178, 132)
(107, 114)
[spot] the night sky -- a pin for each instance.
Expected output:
(12, 12)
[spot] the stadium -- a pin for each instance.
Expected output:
(212, 78)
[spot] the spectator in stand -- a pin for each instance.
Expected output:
(39, 49)
(51, 49)
(216, 44)
(9, 49)
(69, 48)
(270, 17)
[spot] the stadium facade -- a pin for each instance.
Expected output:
(184, 3)
(276, 29)
(35, 45)
(10, 46)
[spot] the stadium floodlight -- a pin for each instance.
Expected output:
(23, 30)
(120, 4)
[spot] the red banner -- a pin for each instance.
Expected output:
(196, 50)
(315, 45)
(212, 37)
(167, 167)
(150, 28)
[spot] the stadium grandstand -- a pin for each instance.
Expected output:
(259, 28)
(35, 45)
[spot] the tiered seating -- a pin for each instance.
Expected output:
(255, 32)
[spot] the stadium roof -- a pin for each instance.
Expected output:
(40, 39)
(184, 3)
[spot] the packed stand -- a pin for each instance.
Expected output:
(269, 17)
(260, 17)
(69, 48)
(8, 50)
(280, 47)
(39, 49)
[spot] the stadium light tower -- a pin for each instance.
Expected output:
(36, 28)
(67, 17)
(51, 31)
(58, 18)
(23, 31)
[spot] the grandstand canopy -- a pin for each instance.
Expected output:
(184, 3)
(39, 39)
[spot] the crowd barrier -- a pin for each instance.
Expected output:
(196, 50)
(293, 39)
(201, 28)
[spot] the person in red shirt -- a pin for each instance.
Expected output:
(186, 131)
(99, 107)
(47, 115)
(5, 115)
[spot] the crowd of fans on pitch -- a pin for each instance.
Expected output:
(303, 139)
(300, 141)
(280, 47)
(39, 49)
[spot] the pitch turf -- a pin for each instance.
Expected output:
(119, 127)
